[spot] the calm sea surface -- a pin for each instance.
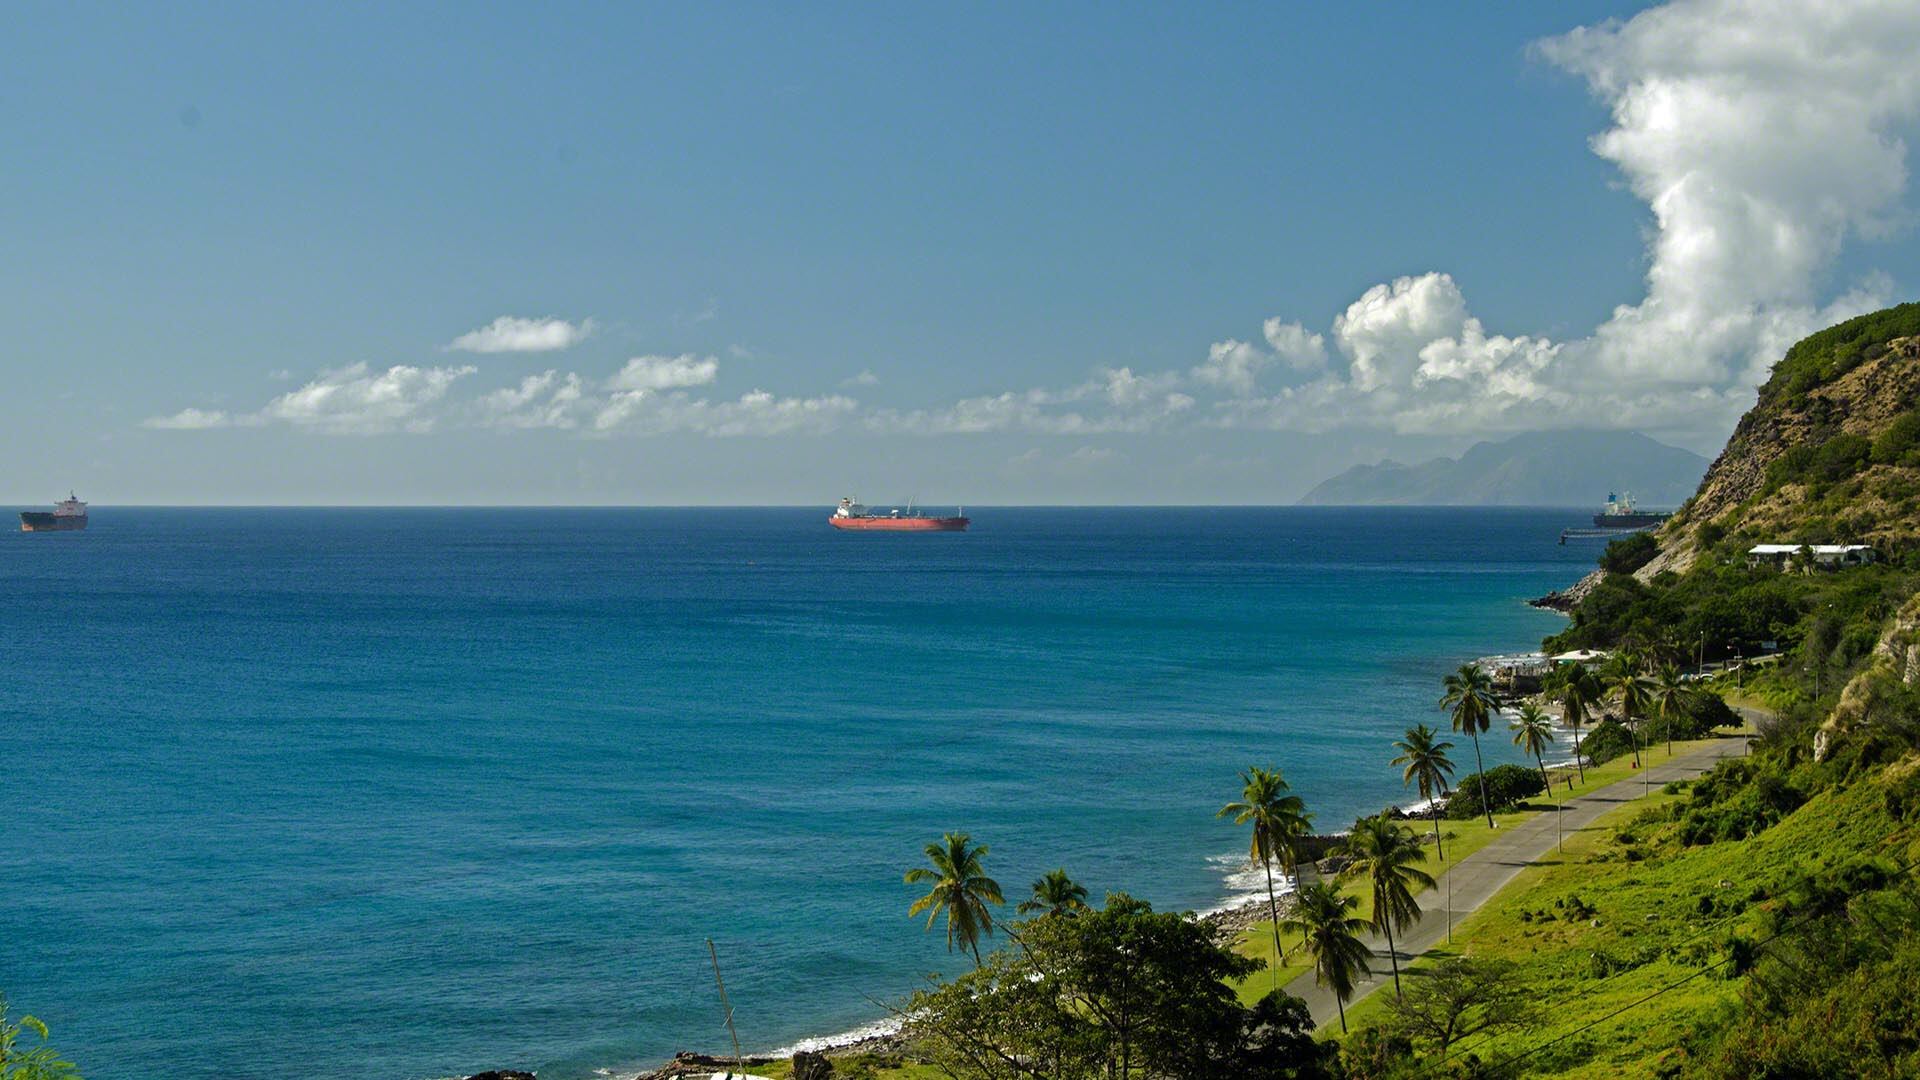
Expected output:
(412, 793)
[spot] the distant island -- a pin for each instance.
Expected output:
(1539, 468)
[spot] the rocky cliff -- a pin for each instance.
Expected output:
(1826, 456)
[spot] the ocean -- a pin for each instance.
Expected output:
(411, 793)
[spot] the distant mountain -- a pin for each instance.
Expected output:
(1540, 468)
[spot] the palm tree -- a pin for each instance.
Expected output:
(1383, 853)
(1578, 693)
(1055, 894)
(960, 889)
(1279, 820)
(1623, 680)
(1533, 733)
(1469, 698)
(1669, 696)
(1428, 766)
(1330, 932)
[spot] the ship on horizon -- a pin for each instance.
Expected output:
(850, 514)
(1622, 514)
(69, 515)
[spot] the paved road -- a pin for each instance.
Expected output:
(1478, 876)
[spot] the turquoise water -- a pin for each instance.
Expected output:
(412, 793)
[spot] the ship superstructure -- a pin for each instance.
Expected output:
(1621, 514)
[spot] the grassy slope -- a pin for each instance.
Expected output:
(1665, 912)
(1463, 838)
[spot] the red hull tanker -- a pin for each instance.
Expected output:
(851, 515)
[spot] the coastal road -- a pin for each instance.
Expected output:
(1476, 878)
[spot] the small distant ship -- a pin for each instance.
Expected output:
(1621, 514)
(69, 515)
(851, 515)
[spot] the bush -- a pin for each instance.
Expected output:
(1738, 799)
(1507, 785)
(1629, 553)
(1607, 740)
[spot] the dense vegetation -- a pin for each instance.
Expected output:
(1825, 356)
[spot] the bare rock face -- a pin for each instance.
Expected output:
(808, 1065)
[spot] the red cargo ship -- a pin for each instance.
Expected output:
(851, 515)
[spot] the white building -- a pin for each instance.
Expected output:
(1825, 556)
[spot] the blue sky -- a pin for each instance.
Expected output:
(996, 254)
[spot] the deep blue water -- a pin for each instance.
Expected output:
(410, 793)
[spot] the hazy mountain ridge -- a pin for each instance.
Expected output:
(1542, 468)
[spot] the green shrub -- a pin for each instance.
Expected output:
(1507, 785)
(1607, 740)
(1899, 441)
(1629, 553)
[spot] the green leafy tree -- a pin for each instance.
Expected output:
(1120, 992)
(1054, 893)
(1384, 853)
(1670, 697)
(21, 1061)
(1331, 931)
(1627, 685)
(1427, 766)
(1278, 820)
(1463, 997)
(1533, 733)
(961, 890)
(1469, 700)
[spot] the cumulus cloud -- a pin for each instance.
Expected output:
(1234, 366)
(355, 400)
(864, 378)
(1761, 135)
(510, 333)
(665, 372)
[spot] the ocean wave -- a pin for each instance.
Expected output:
(821, 1043)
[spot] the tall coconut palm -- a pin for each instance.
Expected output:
(1055, 894)
(961, 890)
(1383, 853)
(1279, 820)
(1624, 681)
(1331, 933)
(1533, 733)
(1669, 697)
(1469, 699)
(1577, 691)
(1428, 767)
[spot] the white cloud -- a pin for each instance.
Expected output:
(865, 378)
(190, 420)
(756, 413)
(1293, 344)
(510, 333)
(353, 400)
(546, 400)
(665, 372)
(1761, 135)
(1232, 365)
